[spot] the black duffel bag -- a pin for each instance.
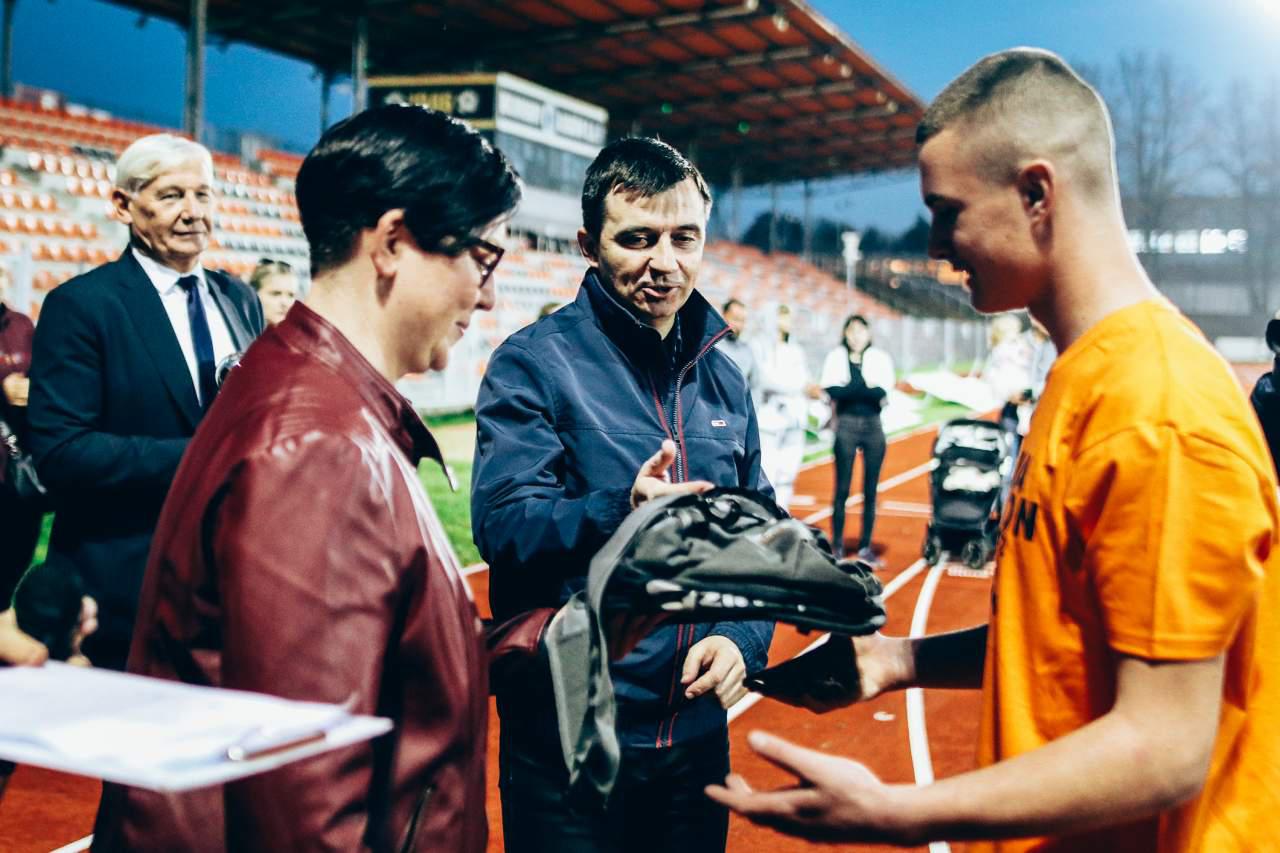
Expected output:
(732, 554)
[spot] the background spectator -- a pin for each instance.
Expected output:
(783, 407)
(736, 346)
(19, 519)
(857, 376)
(122, 371)
(277, 287)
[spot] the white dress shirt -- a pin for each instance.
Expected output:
(174, 299)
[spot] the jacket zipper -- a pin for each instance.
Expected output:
(677, 418)
(410, 843)
(682, 474)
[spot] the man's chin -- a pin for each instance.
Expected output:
(183, 256)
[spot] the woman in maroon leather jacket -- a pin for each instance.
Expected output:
(297, 553)
(19, 521)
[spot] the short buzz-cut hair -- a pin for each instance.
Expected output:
(151, 156)
(634, 164)
(446, 177)
(730, 302)
(1024, 103)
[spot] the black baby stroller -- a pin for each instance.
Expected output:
(972, 459)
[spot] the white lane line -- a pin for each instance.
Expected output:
(906, 506)
(76, 846)
(899, 581)
(917, 732)
(895, 480)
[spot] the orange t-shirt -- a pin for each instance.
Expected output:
(1142, 521)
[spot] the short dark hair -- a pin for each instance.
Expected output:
(447, 178)
(724, 309)
(638, 164)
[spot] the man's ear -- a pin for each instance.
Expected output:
(120, 206)
(1037, 185)
(589, 247)
(388, 243)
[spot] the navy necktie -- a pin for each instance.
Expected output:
(200, 338)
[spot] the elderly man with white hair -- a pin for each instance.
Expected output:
(123, 368)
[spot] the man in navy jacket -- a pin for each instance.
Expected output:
(617, 398)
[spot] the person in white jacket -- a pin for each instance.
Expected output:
(857, 377)
(782, 408)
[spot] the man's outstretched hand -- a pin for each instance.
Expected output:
(653, 481)
(833, 798)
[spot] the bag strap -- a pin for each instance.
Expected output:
(9, 440)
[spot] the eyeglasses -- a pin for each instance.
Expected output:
(485, 254)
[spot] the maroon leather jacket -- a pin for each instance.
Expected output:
(298, 555)
(16, 332)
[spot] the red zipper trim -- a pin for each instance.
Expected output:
(662, 413)
(675, 679)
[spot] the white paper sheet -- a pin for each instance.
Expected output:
(159, 734)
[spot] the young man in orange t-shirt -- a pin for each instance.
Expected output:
(1130, 669)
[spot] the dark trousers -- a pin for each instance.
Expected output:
(854, 433)
(19, 533)
(657, 802)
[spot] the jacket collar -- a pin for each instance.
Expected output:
(307, 332)
(134, 275)
(155, 334)
(700, 324)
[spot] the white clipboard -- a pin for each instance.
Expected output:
(162, 735)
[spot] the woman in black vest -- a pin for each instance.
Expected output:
(857, 377)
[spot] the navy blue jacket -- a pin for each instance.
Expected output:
(569, 409)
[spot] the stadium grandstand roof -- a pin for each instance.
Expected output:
(768, 87)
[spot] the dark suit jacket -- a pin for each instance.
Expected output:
(111, 410)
